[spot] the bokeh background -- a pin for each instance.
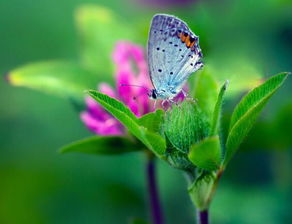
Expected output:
(242, 40)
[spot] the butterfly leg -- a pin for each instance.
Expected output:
(162, 104)
(186, 95)
(154, 105)
(171, 101)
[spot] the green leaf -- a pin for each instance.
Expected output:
(103, 145)
(206, 91)
(185, 125)
(247, 111)
(58, 78)
(152, 140)
(99, 30)
(206, 154)
(217, 111)
(201, 190)
(112, 105)
(152, 121)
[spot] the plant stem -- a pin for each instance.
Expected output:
(203, 217)
(155, 206)
(214, 187)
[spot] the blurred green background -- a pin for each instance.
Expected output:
(241, 40)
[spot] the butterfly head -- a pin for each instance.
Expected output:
(162, 94)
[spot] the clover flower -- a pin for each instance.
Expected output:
(131, 68)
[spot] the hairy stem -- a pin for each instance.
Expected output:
(203, 217)
(156, 210)
(215, 184)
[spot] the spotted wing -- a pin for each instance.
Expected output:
(173, 52)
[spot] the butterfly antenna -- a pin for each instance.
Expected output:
(137, 86)
(135, 97)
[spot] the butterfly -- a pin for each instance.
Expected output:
(173, 55)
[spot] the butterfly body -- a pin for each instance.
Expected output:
(173, 55)
(165, 92)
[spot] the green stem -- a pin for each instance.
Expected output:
(215, 184)
(203, 215)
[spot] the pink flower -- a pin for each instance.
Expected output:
(127, 57)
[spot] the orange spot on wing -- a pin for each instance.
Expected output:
(192, 44)
(182, 37)
(188, 41)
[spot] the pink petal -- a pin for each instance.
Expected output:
(118, 54)
(111, 127)
(107, 89)
(125, 53)
(125, 56)
(121, 55)
(134, 107)
(95, 109)
(139, 60)
(137, 53)
(107, 127)
(124, 81)
(179, 97)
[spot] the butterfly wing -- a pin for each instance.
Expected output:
(173, 52)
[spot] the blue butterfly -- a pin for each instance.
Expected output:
(173, 55)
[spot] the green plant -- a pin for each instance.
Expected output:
(189, 138)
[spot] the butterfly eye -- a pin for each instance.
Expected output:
(154, 94)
